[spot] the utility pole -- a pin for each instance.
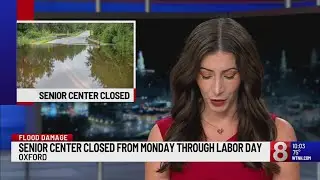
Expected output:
(287, 3)
(27, 171)
(100, 171)
(318, 171)
(98, 6)
(147, 6)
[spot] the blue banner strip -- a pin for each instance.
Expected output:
(8, 53)
(305, 151)
(51, 6)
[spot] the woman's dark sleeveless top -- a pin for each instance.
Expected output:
(213, 170)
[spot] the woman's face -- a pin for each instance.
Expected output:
(219, 81)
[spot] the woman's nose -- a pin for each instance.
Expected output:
(218, 86)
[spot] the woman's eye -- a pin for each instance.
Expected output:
(205, 77)
(230, 76)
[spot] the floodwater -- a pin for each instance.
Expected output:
(73, 62)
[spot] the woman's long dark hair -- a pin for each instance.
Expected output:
(255, 122)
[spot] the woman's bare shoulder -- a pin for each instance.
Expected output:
(160, 129)
(285, 131)
(155, 134)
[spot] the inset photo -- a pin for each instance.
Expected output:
(75, 55)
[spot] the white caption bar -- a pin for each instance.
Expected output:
(75, 95)
(138, 152)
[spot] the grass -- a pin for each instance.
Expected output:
(47, 37)
(43, 40)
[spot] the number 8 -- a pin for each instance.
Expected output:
(278, 151)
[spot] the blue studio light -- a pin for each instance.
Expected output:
(12, 120)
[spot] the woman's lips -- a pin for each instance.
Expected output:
(217, 102)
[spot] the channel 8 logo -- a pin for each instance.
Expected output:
(280, 152)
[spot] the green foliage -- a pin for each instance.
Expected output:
(119, 34)
(33, 31)
(54, 28)
(96, 30)
(25, 27)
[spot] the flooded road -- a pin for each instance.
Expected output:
(75, 40)
(73, 62)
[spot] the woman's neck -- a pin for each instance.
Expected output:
(219, 117)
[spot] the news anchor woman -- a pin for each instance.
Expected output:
(216, 89)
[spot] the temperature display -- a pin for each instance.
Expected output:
(305, 151)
